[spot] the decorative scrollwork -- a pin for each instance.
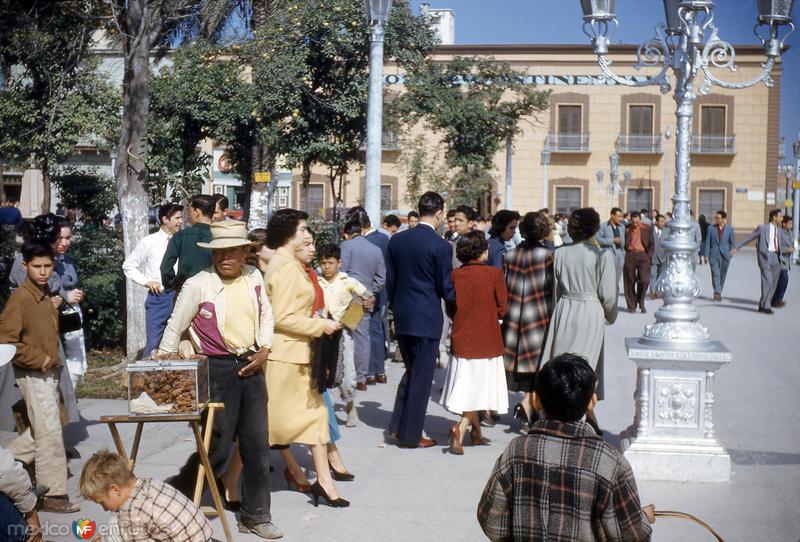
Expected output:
(720, 54)
(654, 52)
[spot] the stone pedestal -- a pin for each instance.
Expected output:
(673, 428)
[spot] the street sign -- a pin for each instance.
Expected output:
(262, 177)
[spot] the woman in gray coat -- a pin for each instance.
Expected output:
(585, 293)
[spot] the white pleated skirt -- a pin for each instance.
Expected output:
(475, 384)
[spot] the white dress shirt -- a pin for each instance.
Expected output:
(143, 265)
(773, 238)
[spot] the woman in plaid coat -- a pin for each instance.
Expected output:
(529, 279)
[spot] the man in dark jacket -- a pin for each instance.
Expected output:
(418, 278)
(183, 247)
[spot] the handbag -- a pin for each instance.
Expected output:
(325, 361)
(69, 319)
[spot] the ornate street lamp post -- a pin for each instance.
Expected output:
(676, 357)
(377, 16)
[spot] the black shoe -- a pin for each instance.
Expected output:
(318, 491)
(341, 476)
(520, 414)
(765, 311)
(494, 415)
(231, 506)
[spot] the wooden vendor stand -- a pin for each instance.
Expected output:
(194, 423)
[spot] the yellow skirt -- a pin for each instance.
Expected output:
(297, 413)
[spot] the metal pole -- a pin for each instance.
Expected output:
(509, 157)
(372, 187)
(665, 189)
(545, 181)
(796, 205)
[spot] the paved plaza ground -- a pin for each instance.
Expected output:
(421, 495)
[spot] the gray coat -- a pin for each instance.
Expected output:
(586, 290)
(659, 254)
(364, 262)
(761, 233)
(605, 238)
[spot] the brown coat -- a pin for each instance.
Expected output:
(481, 300)
(30, 322)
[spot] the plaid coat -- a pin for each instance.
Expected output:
(529, 279)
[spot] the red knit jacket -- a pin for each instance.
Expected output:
(481, 300)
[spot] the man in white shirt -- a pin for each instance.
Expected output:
(143, 267)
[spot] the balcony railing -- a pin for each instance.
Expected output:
(639, 144)
(708, 144)
(567, 143)
(390, 141)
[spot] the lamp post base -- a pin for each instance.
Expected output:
(672, 437)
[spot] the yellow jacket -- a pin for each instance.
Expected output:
(292, 295)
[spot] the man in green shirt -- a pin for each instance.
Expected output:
(183, 247)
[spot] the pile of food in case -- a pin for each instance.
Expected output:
(168, 385)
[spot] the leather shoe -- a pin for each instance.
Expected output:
(361, 386)
(766, 311)
(60, 505)
(644, 311)
(779, 304)
(423, 443)
(717, 297)
(380, 379)
(454, 441)
(370, 381)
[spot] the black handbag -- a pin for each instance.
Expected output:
(69, 320)
(325, 361)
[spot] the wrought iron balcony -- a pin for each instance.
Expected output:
(562, 142)
(390, 141)
(708, 144)
(639, 143)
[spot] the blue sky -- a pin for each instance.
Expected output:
(559, 21)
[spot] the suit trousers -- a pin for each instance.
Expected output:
(43, 441)
(769, 280)
(719, 270)
(411, 403)
(637, 278)
(13, 527)
(347, 389)
(377, 337)
(362, 347)
(655, 272)
(244, 417)
(780, 290)
(157, 310)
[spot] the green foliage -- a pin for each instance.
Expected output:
(98, 255)
(53, 96)
(423, 169)
(94, 194)
(473, 104)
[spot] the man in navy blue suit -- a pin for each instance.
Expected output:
(418, 276)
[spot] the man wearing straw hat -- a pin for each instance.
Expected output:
(229, 319)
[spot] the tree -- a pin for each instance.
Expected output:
(474, 105)
(53, 95)
(327, 51)
(423, 168)
(142, 26)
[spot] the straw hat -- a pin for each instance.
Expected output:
(227, 234)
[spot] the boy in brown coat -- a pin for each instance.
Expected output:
(29, 322)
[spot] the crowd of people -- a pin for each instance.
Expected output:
(507, 303)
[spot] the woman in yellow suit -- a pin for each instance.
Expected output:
(297, 412)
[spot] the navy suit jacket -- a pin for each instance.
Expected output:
(418, 277)
(716, 246)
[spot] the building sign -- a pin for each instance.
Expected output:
(541, 80)
(262, 176)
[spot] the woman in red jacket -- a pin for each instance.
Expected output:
(476, 377)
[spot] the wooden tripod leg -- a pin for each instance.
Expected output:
(198, 484)
(137, 438)
(210, 479)
(118, 442)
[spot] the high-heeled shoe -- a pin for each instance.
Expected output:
(293, 484)
(318, 491)
(231, 506)
(476, 439)
(521, 415)
(454, 441)
(341, 476)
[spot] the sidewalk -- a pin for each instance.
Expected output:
(421, 495)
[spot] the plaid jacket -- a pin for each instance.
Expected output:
(156, 511)
(562, 483)
(529, 280)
